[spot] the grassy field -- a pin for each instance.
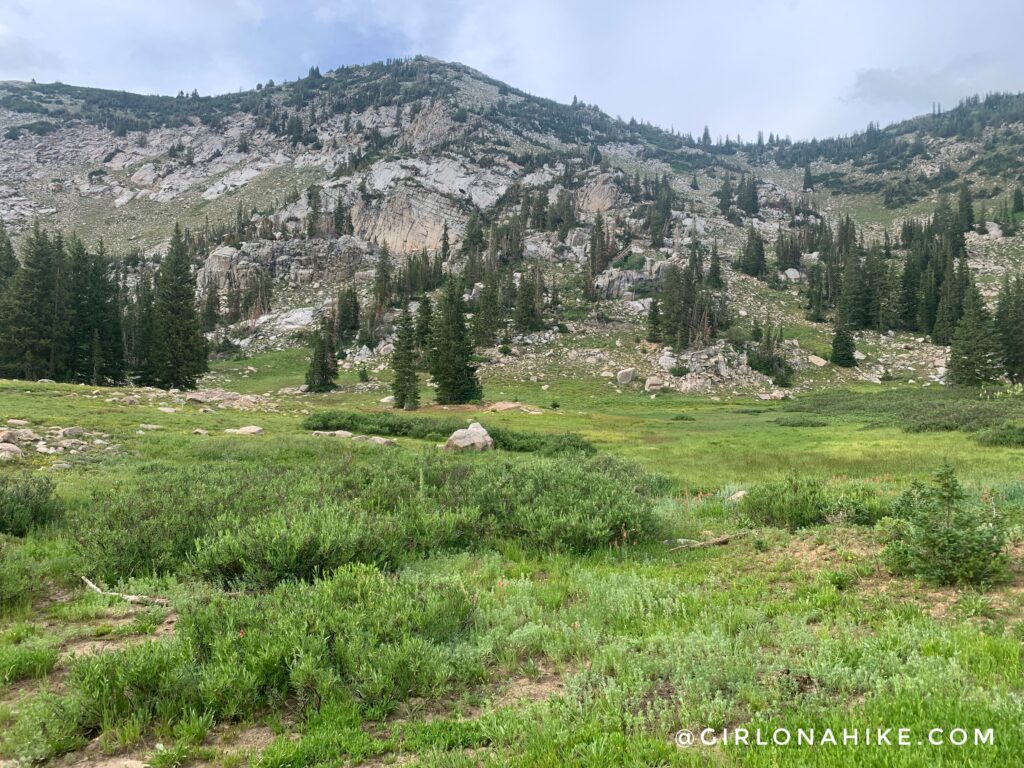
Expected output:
(322, 601)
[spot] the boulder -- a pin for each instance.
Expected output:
(71, 432)
(385, 441)
(9, 451)
(250, 430)
(17, 422)
(737, 496)
(820, 362)
(331, 433)
(473, 438)
(625, 376)
(858, 355)
(389, 400)
(653, 384)
(200, 431)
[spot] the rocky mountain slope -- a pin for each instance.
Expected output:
(408, 148)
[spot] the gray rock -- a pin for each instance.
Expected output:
(9, 451)
(625, 376)
(473, 438)
(653, 385)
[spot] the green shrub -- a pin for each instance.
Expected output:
(679, 370)
(1008, 435)
(262, 519)
(941, 535)
(799, 502)
(23, 660)
(800, 421)
(358, 636)
(26, 502)
(774, 366)
(19, 578)
(439, 429)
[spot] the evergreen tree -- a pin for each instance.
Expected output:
(487, 319)
(404, 385)
(753, 261)
(315, 210)
(424, 314)
(725, 196)
(180, 349)
(808, 178)
(382, 279)
(346, 317)
(8, 261)
(33, 315)
(323, 367)
(654, 322)
(527, 317)
(211, 307)
(1009, 322)
(1018, 200)
(975, 357)
(965, 208)
(716, 279)
(843, 347)
(451, 350)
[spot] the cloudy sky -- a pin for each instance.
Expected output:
(797, 67)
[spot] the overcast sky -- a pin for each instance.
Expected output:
(796, 67)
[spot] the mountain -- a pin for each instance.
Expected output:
(308, 183)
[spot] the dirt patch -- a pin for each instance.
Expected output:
(523, 690)
(88, 646)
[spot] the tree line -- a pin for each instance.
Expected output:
(66, 314)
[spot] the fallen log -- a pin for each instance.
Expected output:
(135, 599)
(721, 541)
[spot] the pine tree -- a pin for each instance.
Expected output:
(323, 368)
(1009, 322)
(975, 356)
(527, 317)
(965, 208)
(180, 349)
(33, 315)
(654, 322)
(451, 350)
(808, 178)
(8, 261)
(716, 279)
(404, 385)
(843, 347)
(315, 210)
(753, 261)
(346, 317)
(487, 319)
(424, 315)
(382, 279)
(211, 307)
(1018, 200)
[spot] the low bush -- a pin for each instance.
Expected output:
(438, 430)
(799, 502)
(800, 421)
(1008, 435)
(258, 521)
(940, 534)
(19, 578)
(26, 502)
(774, 366)
(358, 636)
(917, 410)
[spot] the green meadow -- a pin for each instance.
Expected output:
(299, 600)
